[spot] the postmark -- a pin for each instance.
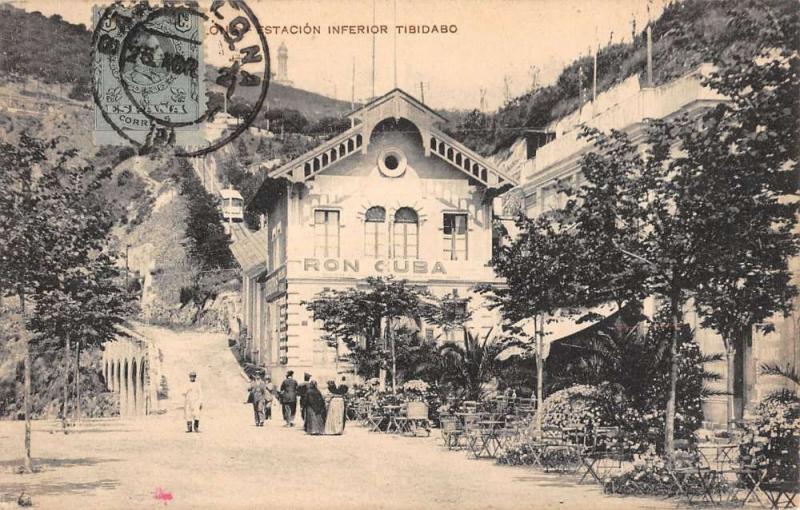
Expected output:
(164, 75)
(163, 70)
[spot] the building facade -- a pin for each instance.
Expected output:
(540, 170)
(393, 195)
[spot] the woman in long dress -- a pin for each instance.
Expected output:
(315, 410)
(334, 423)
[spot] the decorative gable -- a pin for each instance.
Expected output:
(398, 105)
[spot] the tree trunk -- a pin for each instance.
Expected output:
(538, 331)
(394, 361)
(78, 381)
(730, 376)
(669, 425)
(65, 409)
(28, 463)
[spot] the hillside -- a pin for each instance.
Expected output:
(688, 33)
(312, 105)
(62, 56)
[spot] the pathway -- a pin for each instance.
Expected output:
(233, 464)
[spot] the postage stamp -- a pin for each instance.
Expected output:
(148, 67)
(164, 75)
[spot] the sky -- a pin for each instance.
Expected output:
(496, 41)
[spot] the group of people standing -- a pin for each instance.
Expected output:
(322, 415)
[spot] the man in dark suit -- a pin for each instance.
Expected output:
(288, 393)
(301, 391)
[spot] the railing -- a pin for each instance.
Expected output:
(648, 103)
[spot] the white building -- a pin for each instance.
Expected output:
(393, 195)
(626, 107)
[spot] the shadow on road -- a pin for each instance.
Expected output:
(47, 464)
(57, 488)
(94, 430)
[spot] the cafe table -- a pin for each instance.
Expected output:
(392, 412)
(484, 440)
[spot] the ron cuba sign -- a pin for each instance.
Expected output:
(379, 266)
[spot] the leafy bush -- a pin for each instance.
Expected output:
(520, 454)
(575, 405)
(650, 476)
(774, 438)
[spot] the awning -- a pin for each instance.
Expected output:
(559, 325)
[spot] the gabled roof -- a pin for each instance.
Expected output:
(229, 193)
(378, 101)
(395, 104)
(250, 251)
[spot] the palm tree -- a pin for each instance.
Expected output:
(473, 363)
(788, 374)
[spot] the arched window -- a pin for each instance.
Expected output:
(405, 234)
(375, 232)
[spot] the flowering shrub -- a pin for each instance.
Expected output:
(416, 385)
(574, 405)
(520, 454)
(560, 459)
(774, 439)
(649, 475)
(551, 459)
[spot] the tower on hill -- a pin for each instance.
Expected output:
(282, 76)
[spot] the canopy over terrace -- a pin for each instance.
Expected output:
(539, 333)
(561, 324)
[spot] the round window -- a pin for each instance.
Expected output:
(392, 162)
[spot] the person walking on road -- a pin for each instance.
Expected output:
(302, 389)
(288, 395)
(315, 410)
(192, 404)
(334, 420)
(268, 396)
(258, 398)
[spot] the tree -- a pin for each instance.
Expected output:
(240, 108)
(50, 225)
(371, 321)
(547, 267)
(631, 371)
(329, 126)
(754, 137)
(543, 271)
(84, 310)
(472, 363)
(286, 120)
(672, 215)
(207, 242)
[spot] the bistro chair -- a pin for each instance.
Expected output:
(525, 406)
(415, 418)
(375, 418)
(549, 437)
(692, 478)
(452, 431)
(781, 492)
(608, 444)
(514, 428)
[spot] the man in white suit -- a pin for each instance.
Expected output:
(192, 404)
